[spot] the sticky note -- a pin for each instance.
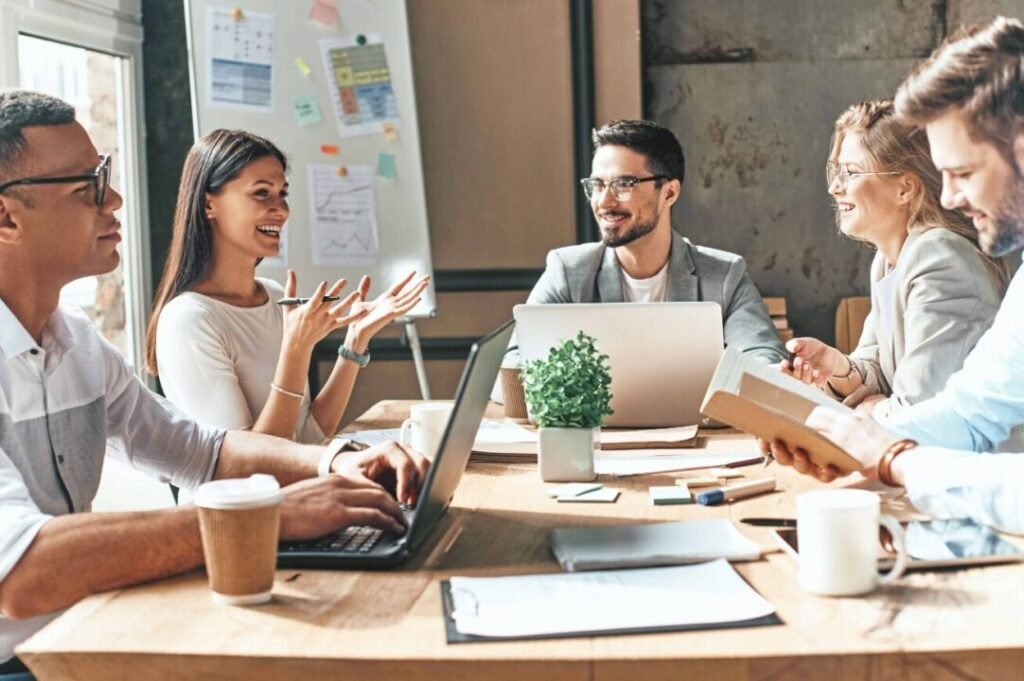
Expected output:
(665, 496)
(307, 111)
(342, 170)
(390, 132)
(605, 495)
(573, 489)
(386, 166)
(324, 12)
(237, 14)
(727, 473)
(303, 67)
(699, 481)
(329, 149)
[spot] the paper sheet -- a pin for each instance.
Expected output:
(537, 605)
(240, 67)
(343, 215)
(360, 84)
(647, 461)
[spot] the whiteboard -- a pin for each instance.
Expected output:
(244, 75)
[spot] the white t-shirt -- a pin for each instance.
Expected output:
(881, 294)
(217, 361)
(651, 290)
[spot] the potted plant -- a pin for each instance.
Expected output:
(568, 395)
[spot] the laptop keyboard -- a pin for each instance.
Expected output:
(359, 539)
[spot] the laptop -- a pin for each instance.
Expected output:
(661, 355)
(367, 547)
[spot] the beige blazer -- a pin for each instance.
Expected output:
(944, 298)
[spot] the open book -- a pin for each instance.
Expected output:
(759, 399)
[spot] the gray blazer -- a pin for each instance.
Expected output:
(944, 298)
(590, 273)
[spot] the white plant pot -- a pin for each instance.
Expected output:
(567, 454)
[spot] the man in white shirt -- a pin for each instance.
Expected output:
(968, 97)
(636, 177)
(67, 398)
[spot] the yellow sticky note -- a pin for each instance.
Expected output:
(390, 132)
(303, 67)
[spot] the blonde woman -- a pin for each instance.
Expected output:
(933, 292)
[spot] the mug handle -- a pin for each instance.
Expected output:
(407, 430)
(899, 542)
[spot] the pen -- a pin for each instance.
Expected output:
(303, 301)
(769, 522)
(744, 489)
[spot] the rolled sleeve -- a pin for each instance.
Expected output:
(151, 433)
(20, 517)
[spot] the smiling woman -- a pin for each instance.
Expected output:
(217, 329)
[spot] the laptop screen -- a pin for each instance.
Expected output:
(452, 454)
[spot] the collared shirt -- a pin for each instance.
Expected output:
(976, 412)
(63, 406)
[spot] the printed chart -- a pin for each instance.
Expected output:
(240, 70)
(343, 215)
(360, 84)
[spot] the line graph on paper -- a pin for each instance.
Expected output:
(343, 215)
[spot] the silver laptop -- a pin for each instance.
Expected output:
(661, 355)
(366, 547)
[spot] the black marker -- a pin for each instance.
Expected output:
(303, 301)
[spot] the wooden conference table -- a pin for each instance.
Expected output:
(962, 624)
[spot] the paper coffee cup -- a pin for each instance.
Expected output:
(512, 393)
(239, 520)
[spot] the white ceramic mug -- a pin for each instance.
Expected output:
(425, 427)
(837, 535)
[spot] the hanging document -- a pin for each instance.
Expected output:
(241, 59)
(360, 84)
(343, 215)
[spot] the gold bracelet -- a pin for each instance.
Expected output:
(289, 393)
(884, 468)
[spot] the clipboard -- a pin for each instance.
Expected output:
(453, 635)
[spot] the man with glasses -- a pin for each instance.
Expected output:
(67, 397)
(636, 177)
(967, 95)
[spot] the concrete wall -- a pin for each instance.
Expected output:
(752, 89)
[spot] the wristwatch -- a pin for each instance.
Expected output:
(362, 359)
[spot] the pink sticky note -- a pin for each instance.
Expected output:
(324, 12)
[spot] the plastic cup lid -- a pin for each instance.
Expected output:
(237, 493)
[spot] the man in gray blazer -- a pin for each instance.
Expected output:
(636, 176)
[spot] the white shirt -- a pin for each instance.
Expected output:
(63, 407)
(975, 412)
(217, 361)
(651, 290)
(881, 300)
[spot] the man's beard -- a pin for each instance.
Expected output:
(1008, 222)
(638, 230)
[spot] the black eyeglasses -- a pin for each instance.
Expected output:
(621, 187)
(100, 179)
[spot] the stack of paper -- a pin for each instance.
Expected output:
(499, 442)
(652, 599)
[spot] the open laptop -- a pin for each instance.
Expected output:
(366, 547)
(661, 355)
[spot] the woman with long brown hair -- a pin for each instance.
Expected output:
(933, 292)
(226, 352)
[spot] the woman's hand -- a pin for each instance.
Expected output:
(378, 313)
(307, 324)
(814, 361)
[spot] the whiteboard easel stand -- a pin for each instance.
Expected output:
(417, 357)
